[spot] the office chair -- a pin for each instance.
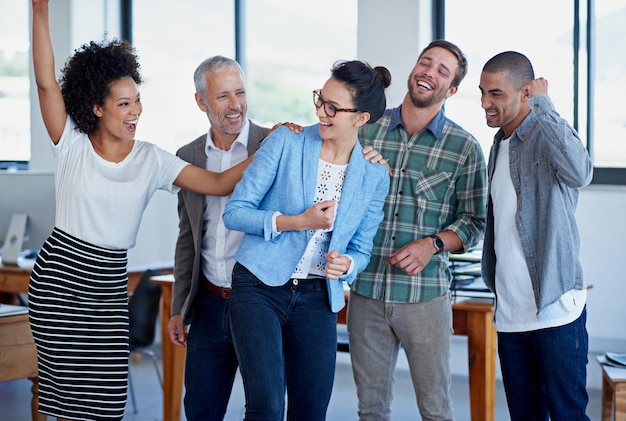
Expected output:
(143, 310)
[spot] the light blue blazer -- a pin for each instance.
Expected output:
(283, 178)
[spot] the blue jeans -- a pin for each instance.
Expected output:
(211, 362)
(285, 337)
(545, 372)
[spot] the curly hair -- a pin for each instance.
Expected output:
(87, 76)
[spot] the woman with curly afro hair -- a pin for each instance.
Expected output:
(78, 299)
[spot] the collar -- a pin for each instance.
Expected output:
(435, 126)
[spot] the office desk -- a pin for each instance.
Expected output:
(14, 279)
(173, 356)
(613, 391)
(471, 318)
(18, 356)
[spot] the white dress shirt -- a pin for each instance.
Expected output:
(218, 243)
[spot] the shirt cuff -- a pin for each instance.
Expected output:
(351, 268)
(275, 231)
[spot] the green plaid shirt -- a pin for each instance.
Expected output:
(439, 183)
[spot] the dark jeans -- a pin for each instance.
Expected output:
(285, 337)
(211, 362)
(545, 372)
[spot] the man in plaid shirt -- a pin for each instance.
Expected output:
(436, 205)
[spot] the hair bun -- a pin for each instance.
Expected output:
(384, 74)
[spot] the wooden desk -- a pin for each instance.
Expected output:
(471, 318)
(613, 392)
(173, 356)
(14, 279)
(18, 356)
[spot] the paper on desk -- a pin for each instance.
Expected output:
(11, 310)
(619, 360)
(612, 362)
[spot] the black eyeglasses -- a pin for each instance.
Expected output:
(329, 108)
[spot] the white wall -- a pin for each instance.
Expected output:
(602, 227)
(600, 213)
(395, 49)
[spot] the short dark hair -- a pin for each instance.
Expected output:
(461, 71)
(366, 84)
(88, 74)
(520, 70)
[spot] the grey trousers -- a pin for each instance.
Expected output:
(377, 329)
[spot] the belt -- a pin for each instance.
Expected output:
(214, 289)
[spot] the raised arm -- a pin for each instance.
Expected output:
(51, 101)
(201, 181)
(568, 155)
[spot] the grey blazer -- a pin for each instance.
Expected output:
(187, 258)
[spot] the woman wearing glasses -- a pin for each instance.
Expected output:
(310, 206)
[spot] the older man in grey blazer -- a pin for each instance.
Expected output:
(205, 248)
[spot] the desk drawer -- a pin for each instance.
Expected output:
(18, 362)
(18, 355)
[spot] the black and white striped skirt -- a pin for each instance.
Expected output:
(78, 309)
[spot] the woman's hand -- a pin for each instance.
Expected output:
(320, 215)
(337, 264)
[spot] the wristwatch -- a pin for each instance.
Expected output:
(437, 243)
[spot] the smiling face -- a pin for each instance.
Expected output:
(431, 78)
(119, 114)
(344, 125)
(224, 102)
(505, 106)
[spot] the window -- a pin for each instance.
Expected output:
(502, 26)
(14, 82)
(291, 47)
(609, 137)
(172, 39)
(547, 38)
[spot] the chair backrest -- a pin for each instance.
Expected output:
(143, 310)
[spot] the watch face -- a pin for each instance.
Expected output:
(438, 242)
